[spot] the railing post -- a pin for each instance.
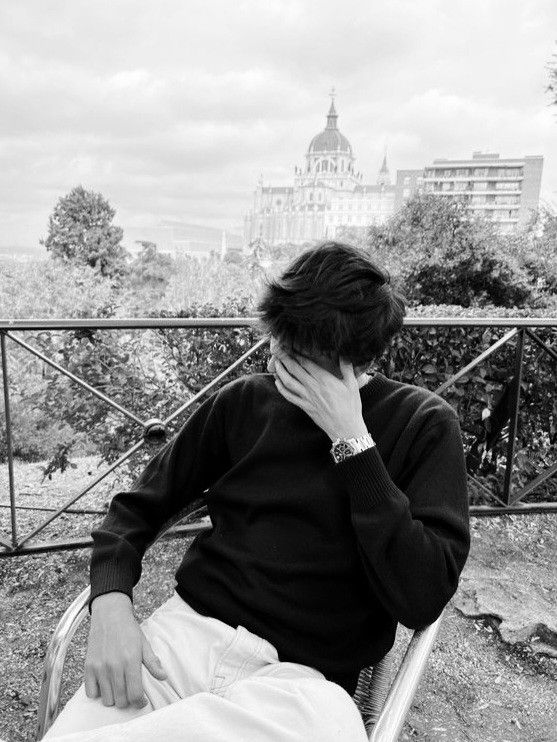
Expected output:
(9, 450)
(513, 420)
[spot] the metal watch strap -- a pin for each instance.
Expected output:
(343, 448)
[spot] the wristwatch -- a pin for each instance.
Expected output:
(342, 448)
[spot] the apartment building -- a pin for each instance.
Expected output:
(503, 190)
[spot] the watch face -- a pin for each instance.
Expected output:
(342, 450)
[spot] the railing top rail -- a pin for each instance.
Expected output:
(138, 323)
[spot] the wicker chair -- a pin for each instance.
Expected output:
(383, 708)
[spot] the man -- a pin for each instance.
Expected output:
(339, 507)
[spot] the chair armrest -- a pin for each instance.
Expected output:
(54, 660)
(403, 689)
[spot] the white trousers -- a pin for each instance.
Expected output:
(223, 685)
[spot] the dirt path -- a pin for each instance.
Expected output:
(477, 688)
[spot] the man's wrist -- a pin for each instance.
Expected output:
(353, 430)
(113, 598)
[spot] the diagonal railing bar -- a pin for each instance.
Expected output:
(9, 447)
(537, 339)
(216, 380)
(76, 379)
(486, 489)
(479, 359)
(90, 486)
(513, 422)
(125, 456)
(546, 474)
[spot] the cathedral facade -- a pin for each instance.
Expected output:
(327, 193)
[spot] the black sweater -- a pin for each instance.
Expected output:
(320, 559)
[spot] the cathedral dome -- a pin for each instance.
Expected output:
(330, 139)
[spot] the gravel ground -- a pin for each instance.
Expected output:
(476, 687)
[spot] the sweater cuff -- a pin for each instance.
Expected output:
(367, 479)
(112, 577)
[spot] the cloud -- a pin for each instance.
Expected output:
(175, 114)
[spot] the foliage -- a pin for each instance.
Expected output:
(146, 373)
(148, 276)
(535, 248)
(552, 87)
(48, 288)
(35, 437)
(80, 231)
(208, 282)
(442, 256)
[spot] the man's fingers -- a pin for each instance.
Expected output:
(289, 380)
(106, 689)
(134, 686)
(151, 661)
(119, 687)
(295, 366)
(91, 685)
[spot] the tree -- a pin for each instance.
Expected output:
(552, 87)
(535, 248)
(151, 269)
(80, 230)
(440, 255)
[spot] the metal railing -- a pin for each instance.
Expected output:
(521, 328)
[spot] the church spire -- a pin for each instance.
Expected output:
(384, 176)
(332, 116)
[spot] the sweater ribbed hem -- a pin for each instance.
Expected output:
(367, 479)
(112, 576)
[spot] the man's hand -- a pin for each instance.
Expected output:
(116, 649)
(332, 403)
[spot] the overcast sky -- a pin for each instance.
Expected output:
(173, 109)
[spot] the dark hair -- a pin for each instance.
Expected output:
(332, 298)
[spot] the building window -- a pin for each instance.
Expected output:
(325, 165)
(407, 180)
(342, 166)
(480, 172)
(317, 168)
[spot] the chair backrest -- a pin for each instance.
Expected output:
(383, 706)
